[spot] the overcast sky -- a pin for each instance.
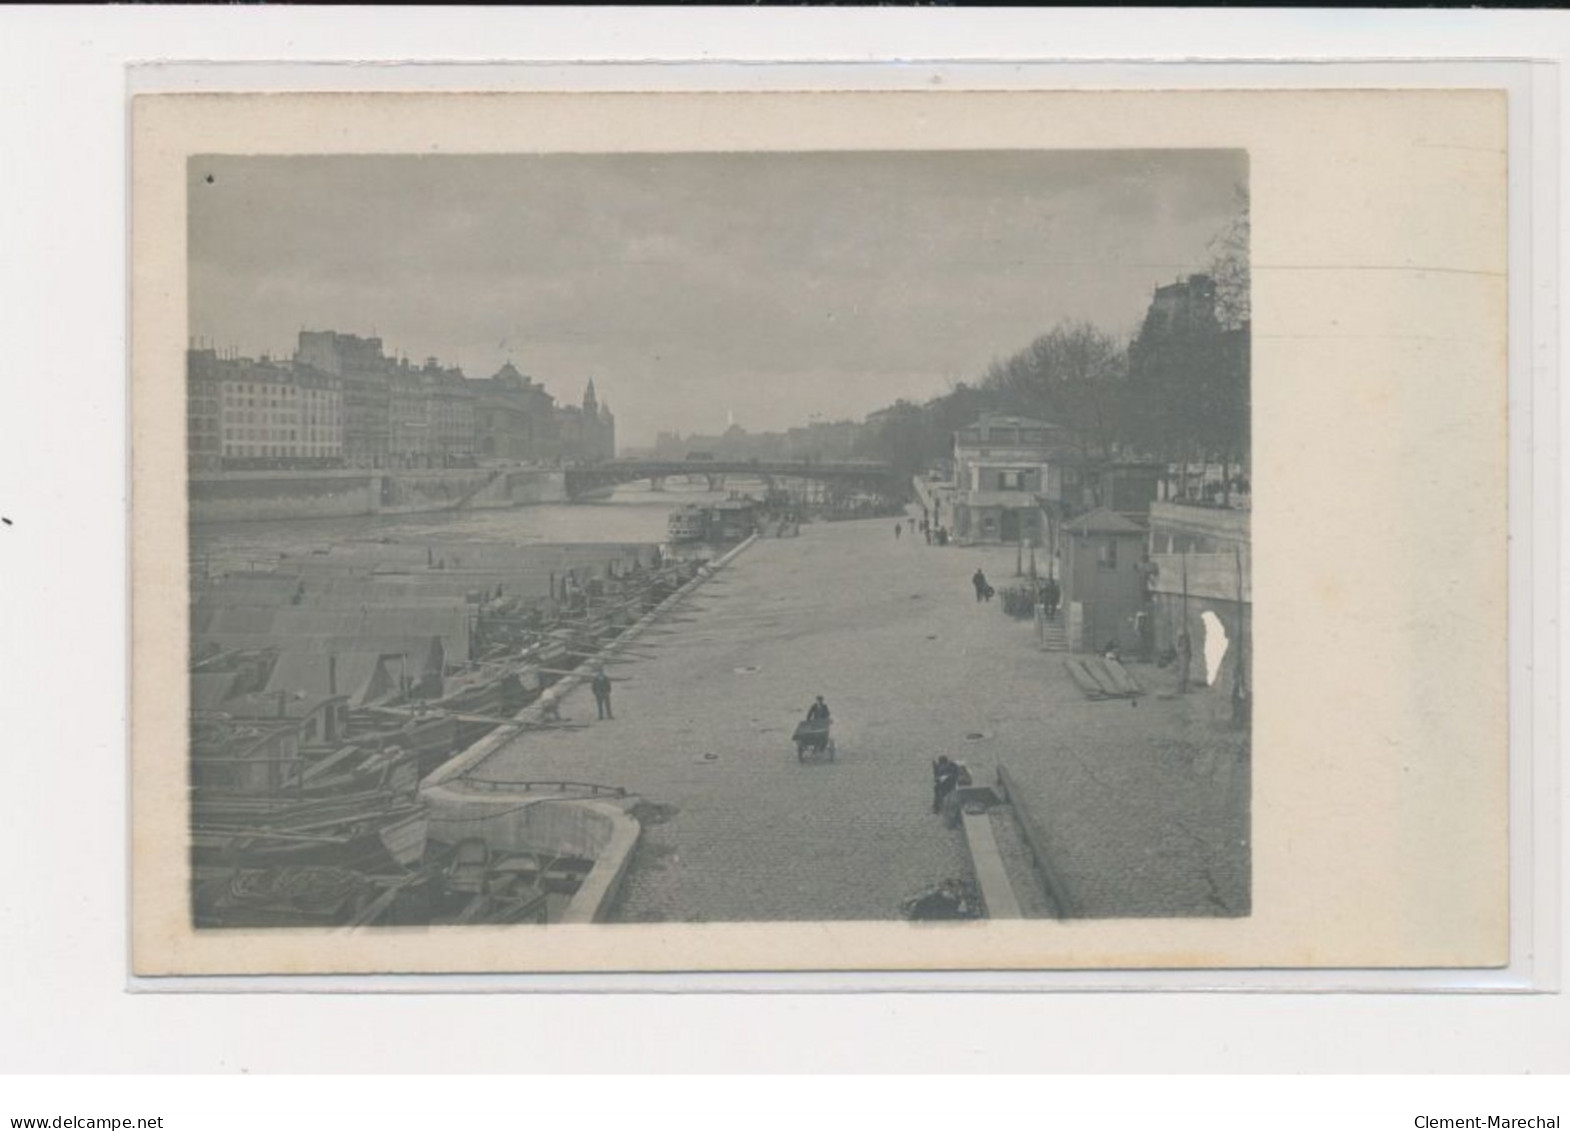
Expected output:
(772, 286)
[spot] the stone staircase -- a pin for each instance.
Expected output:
(1054, 633)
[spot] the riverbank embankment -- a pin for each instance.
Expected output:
(255, 496)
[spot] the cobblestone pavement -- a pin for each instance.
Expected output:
(1143, 819)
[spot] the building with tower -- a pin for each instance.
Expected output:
(587, 431)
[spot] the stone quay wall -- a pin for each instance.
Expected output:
(262, 495)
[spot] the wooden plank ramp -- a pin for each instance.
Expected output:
(1082, 678)
(1127, 685)
(1099, 678)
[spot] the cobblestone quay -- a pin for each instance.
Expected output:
(890, 633)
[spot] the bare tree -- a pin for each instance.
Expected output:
(1229, 266)
(1073, 375)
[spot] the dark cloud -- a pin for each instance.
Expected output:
(773, 285)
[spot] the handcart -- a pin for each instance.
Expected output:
(813, 735)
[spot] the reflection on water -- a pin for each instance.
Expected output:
(632, 513)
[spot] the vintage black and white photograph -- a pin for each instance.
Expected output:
(718, 537)
(575, 543)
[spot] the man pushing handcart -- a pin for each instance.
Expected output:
(812, 733)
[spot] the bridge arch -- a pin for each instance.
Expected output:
(875, 478)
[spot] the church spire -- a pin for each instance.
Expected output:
(590, 405)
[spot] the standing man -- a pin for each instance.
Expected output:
(601, 686)
(979, 580)
(897, 527)
(818, 711)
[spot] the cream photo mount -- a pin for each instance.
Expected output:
(1382, 805)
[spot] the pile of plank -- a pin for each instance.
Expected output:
(1101, 678)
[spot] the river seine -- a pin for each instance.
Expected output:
(632, 513)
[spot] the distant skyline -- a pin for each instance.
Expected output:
(699, 288)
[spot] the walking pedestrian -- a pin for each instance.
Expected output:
(898, 526)
(601, 686)
(979, 581)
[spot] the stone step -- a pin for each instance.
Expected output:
(1054, 635)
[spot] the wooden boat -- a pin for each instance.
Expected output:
(378, 831)
(395, 843)
(481, 694)
(431, 738)
(481, 886)
(290, 815)
(469, 868)
(291, 895)
(565, 874)
(687, 524)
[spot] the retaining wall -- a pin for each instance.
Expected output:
(243, 497)
(261, 495)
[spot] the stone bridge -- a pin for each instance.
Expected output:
(873, 478)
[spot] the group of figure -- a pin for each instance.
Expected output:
(932, 530)
(929, 530)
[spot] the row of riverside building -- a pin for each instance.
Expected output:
(341, 401)
(1141, 566)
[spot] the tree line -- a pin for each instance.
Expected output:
(1175, 392)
